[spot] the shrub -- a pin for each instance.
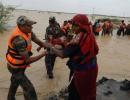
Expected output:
(5, 14)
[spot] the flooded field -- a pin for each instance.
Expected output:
(113, 60)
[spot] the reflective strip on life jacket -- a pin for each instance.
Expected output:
(15, 61)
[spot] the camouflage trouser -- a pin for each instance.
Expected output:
(49, 62)
(18, 78)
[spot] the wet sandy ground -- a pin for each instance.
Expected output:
(113, 60)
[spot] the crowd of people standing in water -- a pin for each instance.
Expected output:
(106, 28)
(74, 40)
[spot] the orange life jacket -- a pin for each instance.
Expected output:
(98, 29)
(13, 57)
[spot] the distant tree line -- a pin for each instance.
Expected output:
(114, 21)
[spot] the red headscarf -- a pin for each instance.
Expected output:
(85, 81)
(83, 22)
(89, 44)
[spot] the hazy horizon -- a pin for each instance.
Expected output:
(103, 7)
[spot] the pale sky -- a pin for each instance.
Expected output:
(105, 7)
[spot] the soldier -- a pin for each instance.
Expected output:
(81, 51)
(19, 57)
(53, 32)
(97, 27)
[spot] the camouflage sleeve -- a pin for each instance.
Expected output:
(33, 36)
(48, 33)
(20, 45)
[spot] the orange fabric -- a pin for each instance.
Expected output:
(98, 29)
(17, 32)
(12, 61)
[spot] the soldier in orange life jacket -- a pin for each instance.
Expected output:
(97, 27)
(81, 51)
(66, 27)
(19, 57)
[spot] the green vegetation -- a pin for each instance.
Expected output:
(5, 14)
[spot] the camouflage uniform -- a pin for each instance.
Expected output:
(18, 77)
(54, 31)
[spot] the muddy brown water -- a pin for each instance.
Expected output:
(113, 60)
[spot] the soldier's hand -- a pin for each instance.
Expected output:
(39, 48)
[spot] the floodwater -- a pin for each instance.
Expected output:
(113, 60)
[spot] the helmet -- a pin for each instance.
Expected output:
(52, 19)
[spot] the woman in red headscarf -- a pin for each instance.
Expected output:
(82, 51)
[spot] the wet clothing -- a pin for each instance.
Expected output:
(83, 62)
(19, 49)
(73, 93)
(49, 62)
(19, 78)
(54, 31)
(84, 75)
